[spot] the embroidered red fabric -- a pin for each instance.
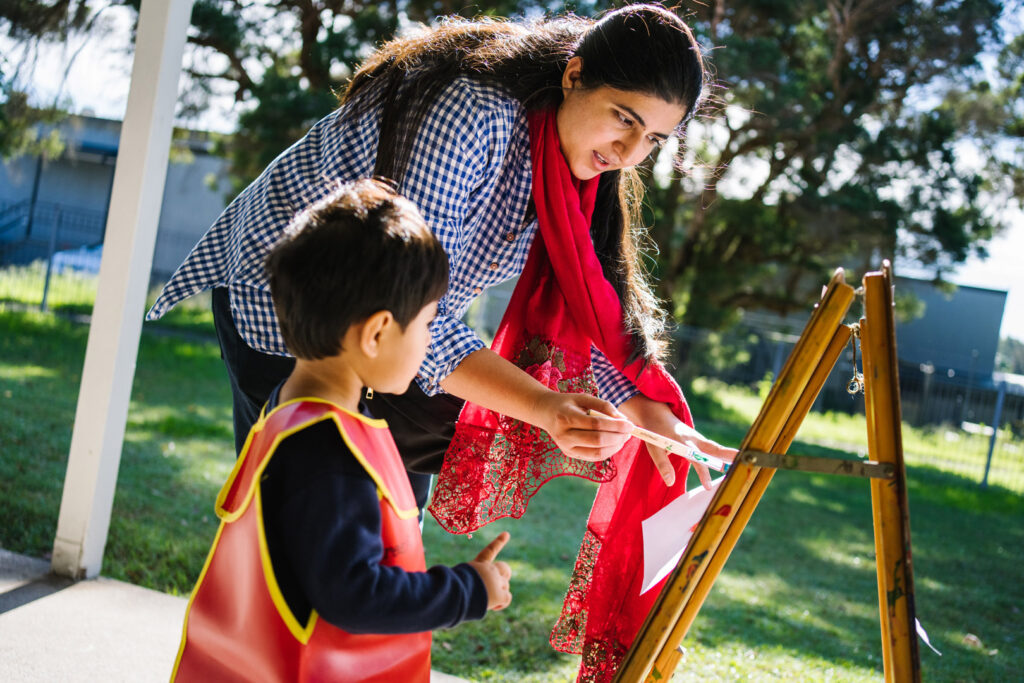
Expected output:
(495, 464)
(561, 306)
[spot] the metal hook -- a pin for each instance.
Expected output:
(856, 383)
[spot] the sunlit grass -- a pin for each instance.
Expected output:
(69, 292)
(797, 600)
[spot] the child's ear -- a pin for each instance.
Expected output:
(372, 330)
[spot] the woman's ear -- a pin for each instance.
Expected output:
(371, 331)
(572, 74)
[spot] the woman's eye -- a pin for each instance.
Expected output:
(657, 142)
(624, 120)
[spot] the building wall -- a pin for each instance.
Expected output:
(955, 339)
(77, 187)
(190, 207)
(958, 332)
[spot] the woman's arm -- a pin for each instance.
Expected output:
(658, 417)
(487, 379)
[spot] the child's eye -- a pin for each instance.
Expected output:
(656, 141)
(624, 120)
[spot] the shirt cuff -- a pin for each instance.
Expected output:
(476, 589)
(451, 341)
(612, 385)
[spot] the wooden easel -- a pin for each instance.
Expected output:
(655, 651)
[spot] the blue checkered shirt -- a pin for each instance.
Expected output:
(470, 175)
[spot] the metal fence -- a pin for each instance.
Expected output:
(50, 255)
(971, 426)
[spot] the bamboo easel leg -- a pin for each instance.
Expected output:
(669, 657)
(780, 406)
(888, 498)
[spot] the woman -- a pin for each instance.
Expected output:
(451, 113)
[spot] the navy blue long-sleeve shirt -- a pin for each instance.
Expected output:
(322, 522)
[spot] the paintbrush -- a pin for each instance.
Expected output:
(673, 446)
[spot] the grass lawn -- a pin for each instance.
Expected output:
(796, 601)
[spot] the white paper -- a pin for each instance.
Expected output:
(924, 636)
(668, 530)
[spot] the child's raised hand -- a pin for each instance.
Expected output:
(496, 575)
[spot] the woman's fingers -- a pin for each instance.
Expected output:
(694, 439)
(703, 474)
(662, 462)
(587, 428)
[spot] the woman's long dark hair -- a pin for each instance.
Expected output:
(639, 48)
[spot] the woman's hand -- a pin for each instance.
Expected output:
(657, 417)
(487, 379)
(580, 435)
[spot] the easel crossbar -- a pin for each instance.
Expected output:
(819, 465)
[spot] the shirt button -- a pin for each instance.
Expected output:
(510, 237)
(477, 290)
(493, 266)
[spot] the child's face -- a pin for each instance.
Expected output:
(402, 351)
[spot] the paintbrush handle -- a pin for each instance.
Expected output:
(673, 446)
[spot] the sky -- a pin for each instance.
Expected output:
(98, 83)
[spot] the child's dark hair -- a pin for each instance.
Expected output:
(360, 250)
(642, 48)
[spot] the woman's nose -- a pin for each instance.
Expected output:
(631, 149)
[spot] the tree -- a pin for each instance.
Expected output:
(822, 152)
(29, 22)
(990, 112)
(1010, 356)
(831, 137)
(19, 132)
(819, 111)
(285, 61)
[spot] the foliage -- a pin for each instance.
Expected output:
(832, 135)
(26, 128)
(286, 61)
(991, 111)
(819, 109)
(20, 123)
(821, 151)
(1010, 356)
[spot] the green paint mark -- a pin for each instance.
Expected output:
(897, 592)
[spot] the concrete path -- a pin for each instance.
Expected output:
(53, 630)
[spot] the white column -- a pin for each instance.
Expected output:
(124, 277)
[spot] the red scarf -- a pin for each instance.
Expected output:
(561, 305)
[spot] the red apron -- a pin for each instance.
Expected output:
(238, 626)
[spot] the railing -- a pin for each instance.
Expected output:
(12, 217)
(975, 425)
(42, 241)
(974, 428)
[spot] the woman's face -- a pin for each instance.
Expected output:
(604, 129)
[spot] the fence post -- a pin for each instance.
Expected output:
(996, 417)
(35, 196)
(777, 356)
(49, 258)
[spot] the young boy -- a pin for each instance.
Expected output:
(317, 571)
